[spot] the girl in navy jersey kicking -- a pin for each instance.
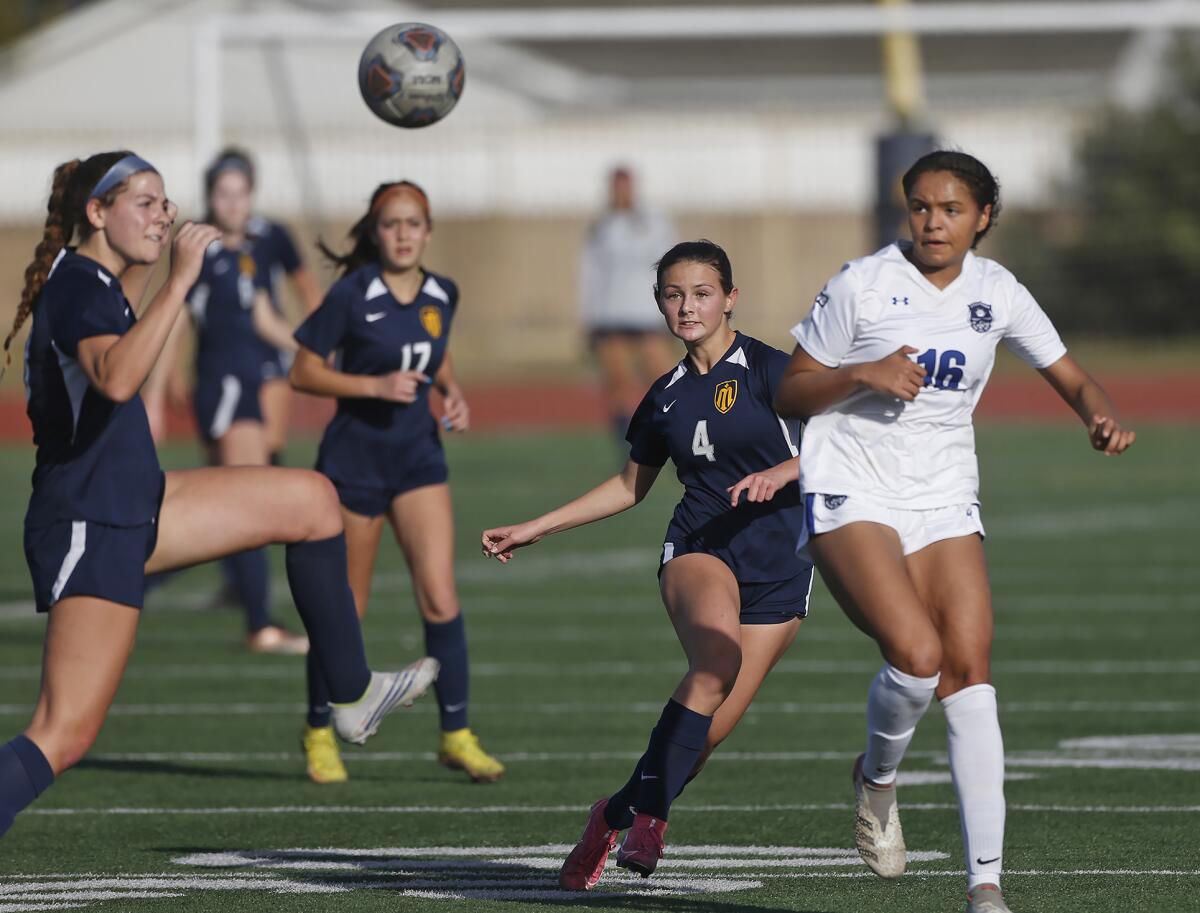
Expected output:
(890, 363)
(103, 514)
(733, 587)
(390, 319)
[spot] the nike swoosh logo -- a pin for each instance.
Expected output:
(454, 708)
(667, 408)
(378, 315)
(986, 861)
(649, 776)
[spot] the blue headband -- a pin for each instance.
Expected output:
(122, 169)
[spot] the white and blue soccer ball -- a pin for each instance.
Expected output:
(411, 74)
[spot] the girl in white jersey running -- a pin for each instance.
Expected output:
(889, 365)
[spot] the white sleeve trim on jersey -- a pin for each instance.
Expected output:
(434, 290)
(789, 437)
(375, 289)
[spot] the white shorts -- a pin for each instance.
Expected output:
(916, 528)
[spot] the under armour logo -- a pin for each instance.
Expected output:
(896, 300)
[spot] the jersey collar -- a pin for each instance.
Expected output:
(898, 250)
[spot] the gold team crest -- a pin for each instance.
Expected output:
(431, 320)
(725, 396)
(246, 265)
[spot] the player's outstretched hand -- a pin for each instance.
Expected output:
(897, 375)
(458, 415)
(501, 542)
(400, 386)
(187, 252)
(1107, 435)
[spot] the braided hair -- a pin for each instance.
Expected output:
(66, 216)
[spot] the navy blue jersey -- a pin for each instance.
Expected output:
(95, 458)
(222, 306)
(375, 334)
(274, 251)
(719, 428)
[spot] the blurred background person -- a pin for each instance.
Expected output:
(616, 285)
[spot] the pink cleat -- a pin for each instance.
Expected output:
(643, 845)
(585, 864)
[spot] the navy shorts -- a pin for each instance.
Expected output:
(82, 558)
(767, 603)
(776, 601)
(225, 399)
(277, 365)
(373, 500)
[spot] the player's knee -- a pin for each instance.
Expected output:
(717, 675)
(323, 510)
(919, 657)
(440, 608)
(957, 675)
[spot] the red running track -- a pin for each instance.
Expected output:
(498, 407)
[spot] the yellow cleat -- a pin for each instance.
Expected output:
(460, 751)
(324, 760)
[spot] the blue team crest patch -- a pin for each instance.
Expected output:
(981, 316)
(833, 502)
(725, 395)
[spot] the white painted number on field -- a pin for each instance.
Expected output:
(701, 446)
(423, 352)
(452, 873)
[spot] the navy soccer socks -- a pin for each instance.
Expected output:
(249, 573)
(24, 775)
(447, 643)
(675, 745)
(320, 713)
(320, 587)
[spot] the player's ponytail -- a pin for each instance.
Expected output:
(985, 189)
(65, 215)
(366, 249)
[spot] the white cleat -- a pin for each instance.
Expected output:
(986, 898)
(357, 722)
(881, 845)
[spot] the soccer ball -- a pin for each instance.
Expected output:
(411, 74)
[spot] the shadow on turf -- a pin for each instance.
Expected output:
(607, 901)
(182, 770)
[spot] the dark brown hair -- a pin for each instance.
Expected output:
(702, 251)
(66, 215)
(366, 249)
(982, 184)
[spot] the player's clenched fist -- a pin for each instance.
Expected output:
(897, 375)
(1107, 435)
(187, 251)
(400, 386)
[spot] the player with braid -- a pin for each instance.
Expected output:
(103, 514)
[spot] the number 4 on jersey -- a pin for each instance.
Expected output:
(701, 446)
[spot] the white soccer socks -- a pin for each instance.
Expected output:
(895, 704)
(977, 765)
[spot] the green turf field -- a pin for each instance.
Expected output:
(194, 797)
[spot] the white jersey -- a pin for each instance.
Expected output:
(916, 455)
(617, 270)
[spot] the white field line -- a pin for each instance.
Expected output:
(576, 809)
(906, 778)
(784, 708)
(535, 669)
